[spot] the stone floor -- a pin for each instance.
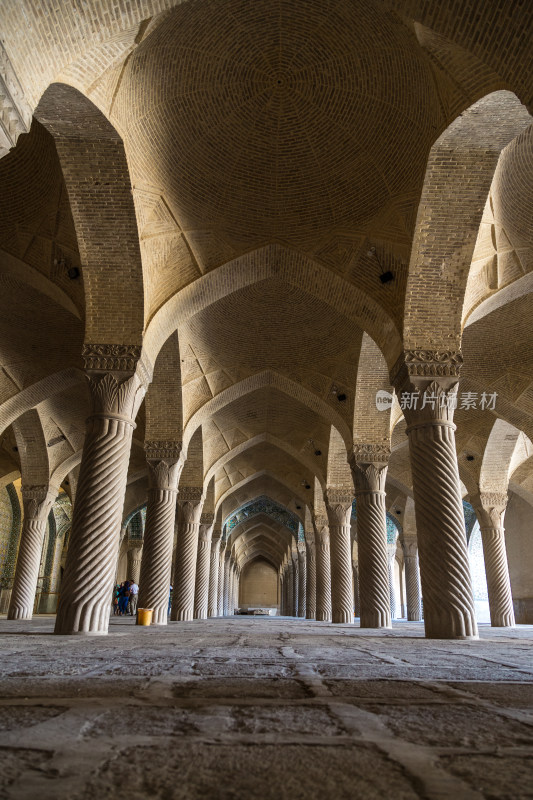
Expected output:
(248, 708)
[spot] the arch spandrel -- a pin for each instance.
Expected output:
(104, 216)
(461, 165)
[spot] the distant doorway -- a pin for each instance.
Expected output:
(258, 585)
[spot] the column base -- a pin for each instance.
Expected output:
(375, 620)
(182, 615)
(19, 615)
(454, 637)
(322, 617)
(342, 618)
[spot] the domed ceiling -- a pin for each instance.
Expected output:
(277, 121)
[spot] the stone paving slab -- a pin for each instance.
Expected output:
(250, 708)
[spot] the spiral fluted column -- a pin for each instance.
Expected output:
(134, 557)
(323, 571)
(412, 580)
(356, 603)
(85, 599)
(231, 589)
(164, 469)
(37, 502)
(426, 382)
(490, 509)
(310, 609)
(226, 595)
(339, 508)
(391, 557)
(203, 563)
(190, 503)
(212, 598)
(296, 586)
(302, 585)
(220, 592)
(369, 470)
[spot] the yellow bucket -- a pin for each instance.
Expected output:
(144, 616)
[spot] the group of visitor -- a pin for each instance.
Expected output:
(125, 598)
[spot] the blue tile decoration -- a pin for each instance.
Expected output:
(264, 505)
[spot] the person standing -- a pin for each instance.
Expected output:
(134, 591)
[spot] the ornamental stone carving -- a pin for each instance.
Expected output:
(111, 357)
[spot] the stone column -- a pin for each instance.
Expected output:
(412, 580)
(490, 509)
(231, 588)
(37, 502)
(323, 571)
(296, 586)
(426, 382)
(339, 509)
(356, 603)
(226, 597)
(164, 469)
(117, 382)
(391, 558)
(134, 556)
(214, 558)
(203, 563)
(221, 579)
(290, 588)
(310, 609)
(369, 470)
(302, 585)
(236, 583)
(190, 503)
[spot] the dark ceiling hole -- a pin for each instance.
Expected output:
(341, 398)
(318, 452)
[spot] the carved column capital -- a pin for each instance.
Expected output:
(370, 453)
(164, 465)
(190, 502)
(37, 501)
(420, 367)
(490, 508)
(338, 506)
(426, 383)
(205, 533)
(410, 547)
(369, 477)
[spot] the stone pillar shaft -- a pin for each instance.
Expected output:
(164, 468)
(356, 603)
(203, 563)
(392, 591)
(190, 502)
(212, 600)
(302, 586)
(134, 556)
(339, 508)
(369, 469)
(221, 579)
(310, 610)
(428, 381)
(85, 600)
(226, 597)
(38, 501)
(412, 582)
(323, 572)
(490, 509)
